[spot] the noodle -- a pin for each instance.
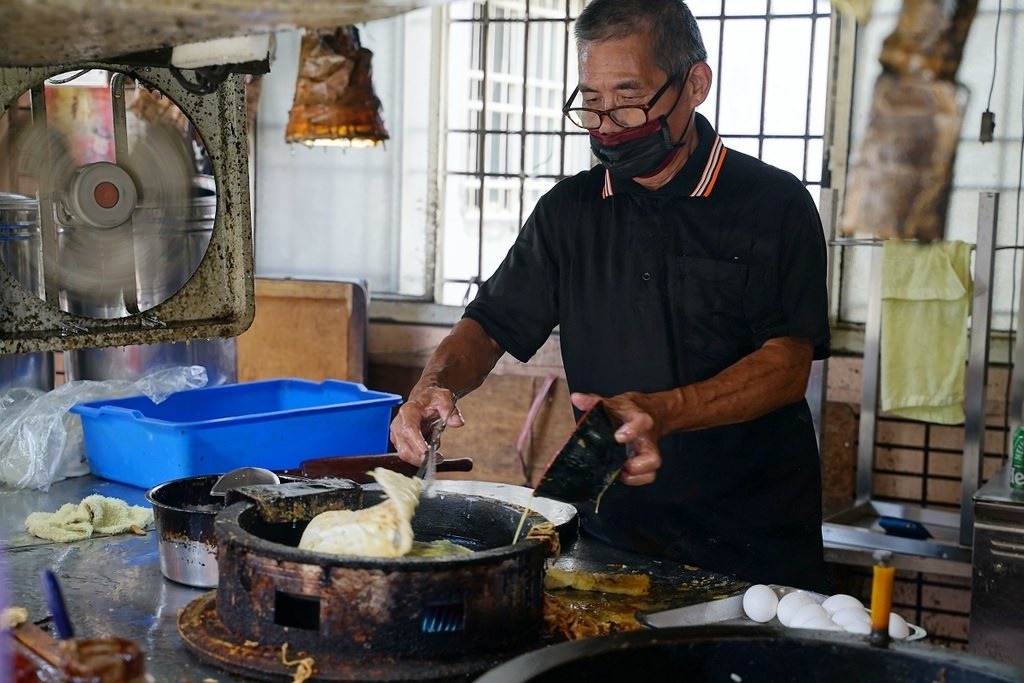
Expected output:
(304, 666)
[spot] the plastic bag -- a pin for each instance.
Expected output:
(41, 442)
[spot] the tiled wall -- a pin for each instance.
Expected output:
(921, 463)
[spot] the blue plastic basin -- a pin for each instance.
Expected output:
(274, 424)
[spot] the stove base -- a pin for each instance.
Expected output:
(205, 635)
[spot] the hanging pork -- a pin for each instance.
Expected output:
(901, 174)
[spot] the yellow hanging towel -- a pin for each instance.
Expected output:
(926, 295)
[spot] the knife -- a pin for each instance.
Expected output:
(355, 467)
(700, 614)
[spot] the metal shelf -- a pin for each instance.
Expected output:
(855, 531)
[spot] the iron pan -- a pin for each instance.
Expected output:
(563, 515)
(483, 523)
(498, 585)
(752, 654)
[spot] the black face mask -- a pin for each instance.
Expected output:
(634, 152)
(637, 152)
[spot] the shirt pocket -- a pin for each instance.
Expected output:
(708, 298)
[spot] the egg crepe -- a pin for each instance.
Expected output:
(382, 530)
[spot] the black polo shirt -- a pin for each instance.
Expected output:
(657, 289)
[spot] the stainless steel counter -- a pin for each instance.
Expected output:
(998, 490)
(112, 584)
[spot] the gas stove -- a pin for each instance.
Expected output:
(368, 619)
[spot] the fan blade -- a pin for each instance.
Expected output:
(162, 166)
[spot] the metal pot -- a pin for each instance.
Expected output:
(21, 255)
(751, 654)
(184, 511)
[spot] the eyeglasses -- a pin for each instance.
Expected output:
(629, 116)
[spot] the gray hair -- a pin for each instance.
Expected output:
(676, 43)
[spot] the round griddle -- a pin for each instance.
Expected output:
(751, 654)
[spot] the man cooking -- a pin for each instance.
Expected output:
(687, 281)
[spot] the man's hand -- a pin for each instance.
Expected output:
(639, 432)
(417, 418)
(458, 365)
(765, 380)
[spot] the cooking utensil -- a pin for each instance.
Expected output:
(588, 462)
(744, 653)
(243, 476)
(55, 601)
(563, 515)
(450, 618)
(357, 467)
(428, 468)
(184, 511)
(701, 614)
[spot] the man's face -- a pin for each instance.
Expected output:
(620, 72)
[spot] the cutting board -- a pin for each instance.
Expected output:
(309, 329)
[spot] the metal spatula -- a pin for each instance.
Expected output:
(428, 468)
(587, 463)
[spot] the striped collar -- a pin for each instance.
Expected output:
(701, 180)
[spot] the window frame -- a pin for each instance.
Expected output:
(428, 309)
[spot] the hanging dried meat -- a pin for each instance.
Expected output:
(902, 172)
(334, 98)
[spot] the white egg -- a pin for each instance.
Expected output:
(861, 628)
(898, 627)
(851, 614)
(840, 601)
(806, 613)
(760, 603)
(790, 603)
(819, 623)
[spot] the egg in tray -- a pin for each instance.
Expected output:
(786, 608)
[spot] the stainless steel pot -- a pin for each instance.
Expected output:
(184, 511)
(21, 254)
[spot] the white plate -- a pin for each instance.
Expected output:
(730, 609)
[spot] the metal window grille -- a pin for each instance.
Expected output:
(770, 59)
(511, 65)
(507, 141)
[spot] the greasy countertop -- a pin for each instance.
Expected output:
(113, 585)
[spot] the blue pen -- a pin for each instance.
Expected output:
(55, 601)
